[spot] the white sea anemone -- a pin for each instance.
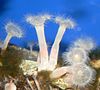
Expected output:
(64, 24)
(83, 75)
(38, 22)
(30, 45)
(85, 43)
(75, 55)
(12, 30)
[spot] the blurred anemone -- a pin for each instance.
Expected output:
(87, 44)
(12, 30)
(30, 45)
(75, 55)
(83, 75)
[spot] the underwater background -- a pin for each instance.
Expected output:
(86, 14)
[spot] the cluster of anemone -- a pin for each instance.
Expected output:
(45, 62)
(79, 51)
(77, 57)
(79, 73)
(49, 62)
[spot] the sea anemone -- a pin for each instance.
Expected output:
(38, 22)
(76, 55)
(30, 45)
(83, 75)
(12, 31)
(63, 25)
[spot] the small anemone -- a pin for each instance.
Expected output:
(67, 22)
(83, 75)
(75, 55)
(13, 30)
(30, 45)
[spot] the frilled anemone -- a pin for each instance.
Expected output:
(12, 30)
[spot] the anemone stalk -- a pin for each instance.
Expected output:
(38, 22)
